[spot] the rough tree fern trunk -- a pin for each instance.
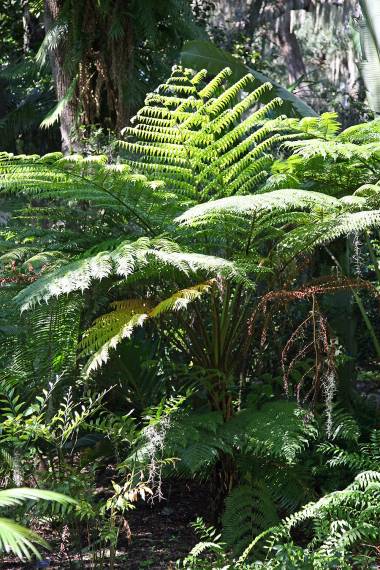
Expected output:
(62, 79)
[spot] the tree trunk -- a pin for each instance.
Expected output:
(292, 54)
(27, 26)
(62, 79)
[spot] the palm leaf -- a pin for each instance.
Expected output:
(16, 539)
(12, 497)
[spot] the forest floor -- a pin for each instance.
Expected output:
(160, 534)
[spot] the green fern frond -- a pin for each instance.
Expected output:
(278, 430)
(249, 509)
(334, 149)
(202, 136)
(344, 521)
(125, 260)
(278, 200)
(111, 328)
(322, 229)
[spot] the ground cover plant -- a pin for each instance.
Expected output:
(189, 322)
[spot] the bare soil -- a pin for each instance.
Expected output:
(160, 534)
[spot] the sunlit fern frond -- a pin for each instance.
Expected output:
(111, 328)
(122, 262)
(203, 139)
(335, 150)
(323, 229)
(363, 456)
(75, 179)
(345, 521)
(250, 206)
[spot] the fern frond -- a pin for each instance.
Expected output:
(125, 260)
(249, 510)
(278, 200)
(201, 137)
(344, 521)
(111, 328)
(277, 430)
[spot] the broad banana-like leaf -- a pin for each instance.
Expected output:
(371, 13)
(369, 28)
(200, 54)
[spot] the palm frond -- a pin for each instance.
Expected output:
(15, 538)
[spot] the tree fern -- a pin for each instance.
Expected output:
(328, 218)
(193, 141)
(279, 200)
(76, 178)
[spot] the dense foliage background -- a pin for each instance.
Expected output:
(189, 284)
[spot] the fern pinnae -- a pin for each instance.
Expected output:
(209, 90)
(111, 328)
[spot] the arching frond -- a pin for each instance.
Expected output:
(203, 140)
(128, 258)
(15, 538)
(111, 328)
(278, 200)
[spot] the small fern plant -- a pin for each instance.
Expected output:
(345, 523)
(210, 545)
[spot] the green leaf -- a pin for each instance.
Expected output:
(15, 538)
(54, 114)
(11, 497)
(18, 540)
